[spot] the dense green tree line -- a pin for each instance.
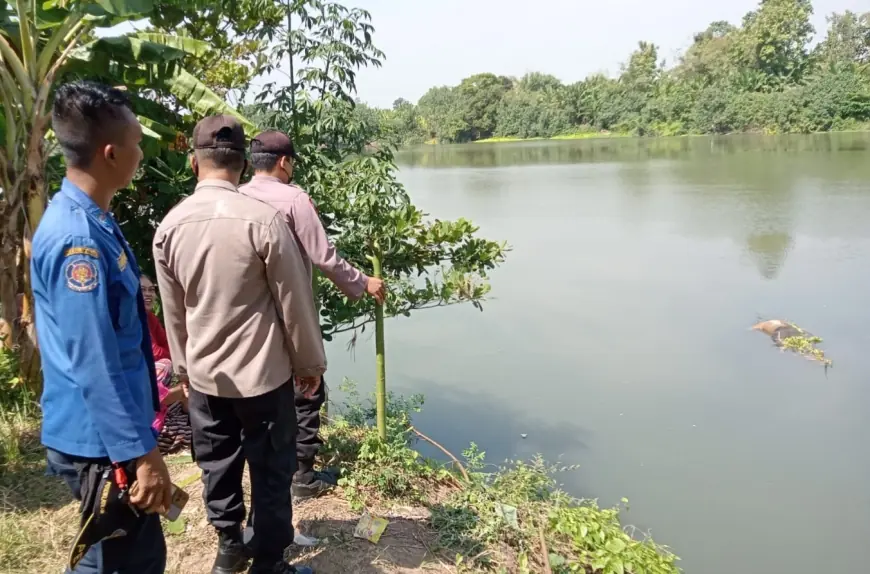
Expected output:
(764, 75)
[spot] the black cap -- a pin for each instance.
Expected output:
(106, 514)
(221, 131)
(274, 142)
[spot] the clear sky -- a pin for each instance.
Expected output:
(431, 43)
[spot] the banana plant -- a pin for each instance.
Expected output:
(42, 42)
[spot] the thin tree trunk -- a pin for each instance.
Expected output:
(8, 279)
(29, 360)
(292, 73)
(381, 390)
(21, 219)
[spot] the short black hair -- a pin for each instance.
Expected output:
(222, 158)
(264, 161)
(86, 116)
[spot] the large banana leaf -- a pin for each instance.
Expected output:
(127, 7)
(129, 50)
(156, 111)
(194, 95)
(157, 130)
(196, 48)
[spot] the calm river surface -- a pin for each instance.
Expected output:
(617, 337)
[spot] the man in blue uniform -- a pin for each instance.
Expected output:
(100, 394)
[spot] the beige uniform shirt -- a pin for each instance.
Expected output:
(237, 300)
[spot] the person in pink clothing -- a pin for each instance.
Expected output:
(273, 158)
(175, 435)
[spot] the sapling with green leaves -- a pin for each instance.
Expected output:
(367, 212)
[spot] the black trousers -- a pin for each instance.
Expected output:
(308, 441)
(262, 431)
(143, 551)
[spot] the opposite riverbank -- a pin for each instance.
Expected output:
(457, 516)
(864, 128)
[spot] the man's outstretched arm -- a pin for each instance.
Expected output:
(312, 236)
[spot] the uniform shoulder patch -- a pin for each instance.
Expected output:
(122, 260)
(81, 275)
(89, 251)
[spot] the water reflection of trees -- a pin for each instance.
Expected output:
(622, 149)
(748, 188)
(769, 252)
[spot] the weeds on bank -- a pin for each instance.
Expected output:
(512, 518)
(372, 470)
(18, 411)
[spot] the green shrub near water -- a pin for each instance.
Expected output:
(493, 522)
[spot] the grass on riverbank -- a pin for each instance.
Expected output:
(458, 517)
(665, 130)
(583, 135)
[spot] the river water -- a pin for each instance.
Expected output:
(617, 335)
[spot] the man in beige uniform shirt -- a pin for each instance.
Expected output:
(273, 158)
(240, 321)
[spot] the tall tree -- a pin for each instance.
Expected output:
(442, 114)
(848, 41)
(480, 96)
(774, 40)
(642, 70)
(708, 59)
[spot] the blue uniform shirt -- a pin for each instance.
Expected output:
(100, 394)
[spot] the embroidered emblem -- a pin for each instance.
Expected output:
(122, 260)
(81, 276)
(90, 252)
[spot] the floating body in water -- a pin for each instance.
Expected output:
(789, 336)
(780, 330)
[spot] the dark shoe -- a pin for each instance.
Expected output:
(280, 568)
(231, 556)
(320, 483)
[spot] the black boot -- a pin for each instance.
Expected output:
(312, 484)
(280, 568)
(231, 555)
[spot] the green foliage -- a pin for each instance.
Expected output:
(366, 211)
(805, 344)
(538, 106)
(481, 95)
(17, 410)
(847, 44)
(238, 32)
(43, 44)
(496, 518)
(774, 41)
(442, 115)
(758, 76)
(375, 469)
